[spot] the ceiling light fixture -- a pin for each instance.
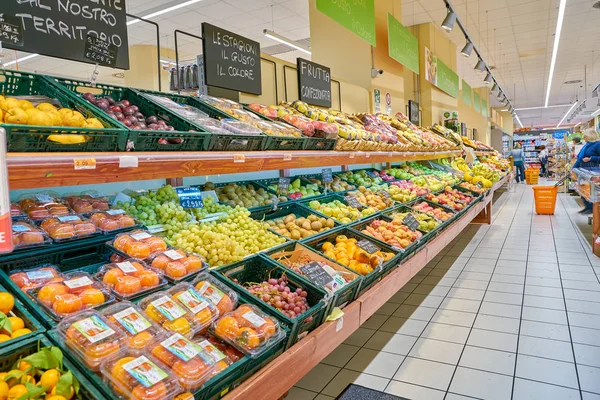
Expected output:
(540, 107)
(288, 42)
(18, 60)
(164, 11)
(467, 50)
(579, 123)
(596, 112)
(519, 120)
(449, 21)
(561, 17)
(488, 79)
(480, 66)
(568, 112)
(495, 87)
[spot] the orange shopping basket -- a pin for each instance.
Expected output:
(532, 175)
(545, 199)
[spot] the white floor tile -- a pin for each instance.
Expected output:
(425, 373)
(548, 371)
(376, 363)
(490, 360)
(414, 392)
(436, 350)
(481, 384)
(530, 390)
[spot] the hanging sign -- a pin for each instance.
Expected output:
(61, 28)
(314, 83)
(467, 96)
(327, 175)
(357, 15)
(403, 46)
(476, 102)
(377, 100)
(231, 61)
(440, 75)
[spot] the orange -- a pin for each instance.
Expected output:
(156, 244)
(66, 396)
(20, 332)
(154, 392)
(49, 379)
(164, 355)
(193, 263)
(203, 317)
(154, 314)
(110, 277)
(121, 242)
(57, 397)
(7, 302)
(101, 351)
(140, 268)
(118, 371)
(225, 305)
(160, 262)
(140, 340)
(4, 390)
(20, 279)
(149, 278)
(248, 338)
(241, 310)
(267, 329)
(227, 328)
(184, 396)
(137, 249)
(24, 365)
(92, 297)
(180, 325)
(16, 391)
(16, 323)
(176, 270)
(127, 285)
(4, 338)
(193, 370)
(67, 304)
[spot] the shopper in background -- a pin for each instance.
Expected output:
(543, 157)
(577, 146)
(519, 161)
(588, 157)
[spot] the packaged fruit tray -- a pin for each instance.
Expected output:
(217, 141)
(438, 211)
(311, 301)
(239, 193)
(69, 227)
(16, 322)
(17, 351)
(137, 244)
(299, 187)
(113, 221)
(338, 281)
(335, 206)
(303, 222)
(341, 245)
(177, 265)
(131, 278)
(152, 135)
(82, 130)
(25, 234)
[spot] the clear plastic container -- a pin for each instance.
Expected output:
(16, 212)
(79, 291)
(189, 362)
(88, 203)
(220, 103)
(203, 310)
(32, 278)
(300, 122)
(172, 316)
(276, 129)
(91, 338)
(244, 116)
(139, 244)
(68, 227)
(248, 329)
(43, 205)
(177, 264)
(116, 257)
(140, 377)
(112, 220)
(230, 352)
(239, 128)
(131, 278)
(25, 234)
(211, 125)
(216, 292)
(140, 330)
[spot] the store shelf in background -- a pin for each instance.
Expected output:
(33, 170)
(274, 380)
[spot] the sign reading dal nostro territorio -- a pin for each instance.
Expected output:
(357, 16)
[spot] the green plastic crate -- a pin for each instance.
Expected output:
(275, 181)
(244, 183)
(257, 269)
(402, 209)
(31, 322)
(434, 205)
(374, 276)
(30, 138)
(13, 353)
(143, 140)
(329, 199)
(319, 177)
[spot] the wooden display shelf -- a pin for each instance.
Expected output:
(274, 380)
(35, 170)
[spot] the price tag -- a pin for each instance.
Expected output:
(115, 212)
(69, 218)
(317, 274)
(411, 222)
(353, 202)
(128, 162)
(368, 246)
(283, 185)
(339, 324)
(84, 163)
(351, 155)
(239, 158)
(190, 197)
(287, 157)
(100, 51)
(384, 194)
(10, 31)
(327, 175)
(367, 155)
(479, 185)
(44, 198)
(371, 173)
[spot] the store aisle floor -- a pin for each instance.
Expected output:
(508, 311)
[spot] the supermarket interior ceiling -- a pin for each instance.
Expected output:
(516, 38)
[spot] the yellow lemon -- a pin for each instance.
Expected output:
(55, 398)
(7, 302)
(3, 390)
(4, 338)
(16, 391)
(20, 332)
(16, 323)
(49, 379)
(53, 393)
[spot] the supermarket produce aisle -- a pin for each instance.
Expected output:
(508, 311)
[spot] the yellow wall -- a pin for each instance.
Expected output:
(143, 72)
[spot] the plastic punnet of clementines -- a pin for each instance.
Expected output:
(217, 293)
(248, 329)
(163, 309)
(177, 264)
(25, 234)
(203, 310)
(112, 220)
(220, 358)
(131, 278)
(140, 377)
(187, 360)
(36, 277)
(139, 244)
(41, 205)
(141, 331)
(68, 227)
(92, 338)
(87, 203)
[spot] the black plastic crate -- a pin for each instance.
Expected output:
(322, 144)
(34, 138)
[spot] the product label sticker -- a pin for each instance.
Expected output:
(145, 371)
(78, 282)
(21, 228)
(192, 301)
(44, 198)
(40, 274)
(126, 267)
(115, 212)
(254, 319)
(211, 293)
(173, 254)
(68, 218)
(181, 347)
(140, 236)
(132, 321)
(167, 307)
(93, 329)
(211, 351)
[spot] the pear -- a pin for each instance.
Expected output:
(37, 117)
(57, 119)
(93, 123)
(65, 112)
(75, 119)
(25, 105)
(46, 107)
(9, 103)
(16, 116)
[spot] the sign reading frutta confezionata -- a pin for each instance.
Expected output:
(60, 28)
(357, 16)
(314, 83)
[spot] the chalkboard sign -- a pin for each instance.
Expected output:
(100, 51)
(316, 274)
(10, 31)
(413, 112)
(190, 197)
(368, 246)
(61, 28)
(230, 61)
(353, 202)
(283, 185)
(411, 222)
(314, 83)
(327, 175)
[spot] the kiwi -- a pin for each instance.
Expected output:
(289, 218)
(312, 218)
(330, 223)
(296, 235)
(306, 225)
(315, 226)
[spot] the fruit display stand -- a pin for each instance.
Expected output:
(588, 187)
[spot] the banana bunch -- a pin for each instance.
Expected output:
(461, 165)
(486, 172)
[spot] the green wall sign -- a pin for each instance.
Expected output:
(355, 15)
(467, 94)
(403, 46)
(484, 108)
(447, 80)
(476, 102)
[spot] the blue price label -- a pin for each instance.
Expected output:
(190, 197)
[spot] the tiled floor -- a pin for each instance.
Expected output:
(507, 311)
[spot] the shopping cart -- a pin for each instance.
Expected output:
(545, 199)
(532, 176)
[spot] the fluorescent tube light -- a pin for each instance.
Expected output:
(288, 42)
(596, 112)
(164, 11)
(518, 120)
(579, 123)
(540, 107)
(568, 112)
(18, 60)
(561, 17)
